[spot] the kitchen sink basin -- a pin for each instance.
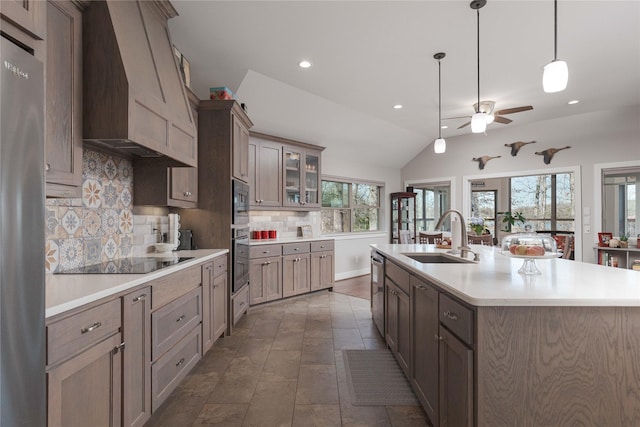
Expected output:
(438, 259)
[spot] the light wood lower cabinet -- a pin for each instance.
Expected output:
(295, 274)
(266, 279)
(214, 301)
(136, 331)
(322, 270)
(84, 367)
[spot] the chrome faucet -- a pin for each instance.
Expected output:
(464, 247)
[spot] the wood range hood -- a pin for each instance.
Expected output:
(134, 98)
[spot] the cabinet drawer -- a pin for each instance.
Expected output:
(68, 336)
(263, 251)
(167, 372)
(398, 275)
(321, 246)
(295, 248)
(171, 322)
(457, 318)
(240, 304)
(219, 265)
(170, 287)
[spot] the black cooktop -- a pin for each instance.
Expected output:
(140, 265)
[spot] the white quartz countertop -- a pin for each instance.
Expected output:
(281, 240)
(68, 291)
(495, 281)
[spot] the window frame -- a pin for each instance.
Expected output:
(351, 205)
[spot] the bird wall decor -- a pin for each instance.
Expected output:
(516, 146)
(549, 153)
(482, 161)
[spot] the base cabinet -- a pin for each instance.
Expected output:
(456, 381)
(266, 279)
(136, 331)
(85, 390)
(295, 275)
(398, 326)
(424, 346)
(214, 301)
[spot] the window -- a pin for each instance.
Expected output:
(546, 201)
(620, 203)
(431, 203)
(350, 206)
(484, 205)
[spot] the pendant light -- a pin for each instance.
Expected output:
(556, 73)
(479, 119)
(439, 145)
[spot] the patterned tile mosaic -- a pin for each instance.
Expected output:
(98, 226)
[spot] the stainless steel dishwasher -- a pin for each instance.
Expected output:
(377, 291)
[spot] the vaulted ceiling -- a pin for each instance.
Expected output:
(368, 56)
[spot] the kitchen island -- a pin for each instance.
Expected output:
(559, 348)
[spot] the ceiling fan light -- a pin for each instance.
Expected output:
(439, 146)
(478, 123)
(555, 76)
(489, 118)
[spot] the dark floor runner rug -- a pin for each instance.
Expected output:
(375, 379)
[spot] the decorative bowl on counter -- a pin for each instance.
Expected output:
(162, 248)
(529, 247)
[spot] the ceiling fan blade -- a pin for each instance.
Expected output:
(513, 110)
(464, 125)
(455, 118)
(502, 120)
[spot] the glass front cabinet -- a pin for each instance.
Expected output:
(302, 177)
(403, 217)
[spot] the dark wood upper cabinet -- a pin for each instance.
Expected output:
(63, 135)
(132, 85)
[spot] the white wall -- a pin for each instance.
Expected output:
(602, 137)
(352, 252)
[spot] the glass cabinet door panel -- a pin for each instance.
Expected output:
(292, 177)
(311, 168)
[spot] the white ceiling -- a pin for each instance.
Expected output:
(370, 55)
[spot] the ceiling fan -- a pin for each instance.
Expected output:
(487, 108)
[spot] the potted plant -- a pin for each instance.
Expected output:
(624, 240)
(477, 225)
(510, 218)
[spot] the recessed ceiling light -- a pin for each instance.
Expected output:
(397, 106)
(304, 64)
(444, 127)
(575, 101)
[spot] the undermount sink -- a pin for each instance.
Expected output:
(438, 259)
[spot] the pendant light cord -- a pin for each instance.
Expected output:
(478, 39)
(439, 103)
(555, 30)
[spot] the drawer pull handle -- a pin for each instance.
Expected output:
(439, 338)
(181, 318)
(91, 328)
(451, 315)
(180, 362)
(421, 287)
(265, 252)
(296, 249)
(140, 297)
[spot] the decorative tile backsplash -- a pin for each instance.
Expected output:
(97, 227)
(287, 223)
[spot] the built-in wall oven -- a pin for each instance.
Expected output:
(377, 291)
(240, 258)
(240, 203)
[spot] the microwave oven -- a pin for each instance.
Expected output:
(240, 203)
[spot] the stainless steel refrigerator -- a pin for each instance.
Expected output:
(22, 284)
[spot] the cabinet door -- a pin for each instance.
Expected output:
(391, 316)
(26, 14)
(424, 344)
(184, 185)
(311, 179)
(207, 307)
(219, 306)
(456, 381)
(292, 195)
(322, 270)
(269, 175)
(63, 134)
(404, 333)
(240, 150)
(295, 275)
(136, 387)
(98, 370)
(266, 279)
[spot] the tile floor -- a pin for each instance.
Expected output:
(359, 286)
(283, 367)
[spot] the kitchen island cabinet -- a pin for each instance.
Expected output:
(551, 349)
